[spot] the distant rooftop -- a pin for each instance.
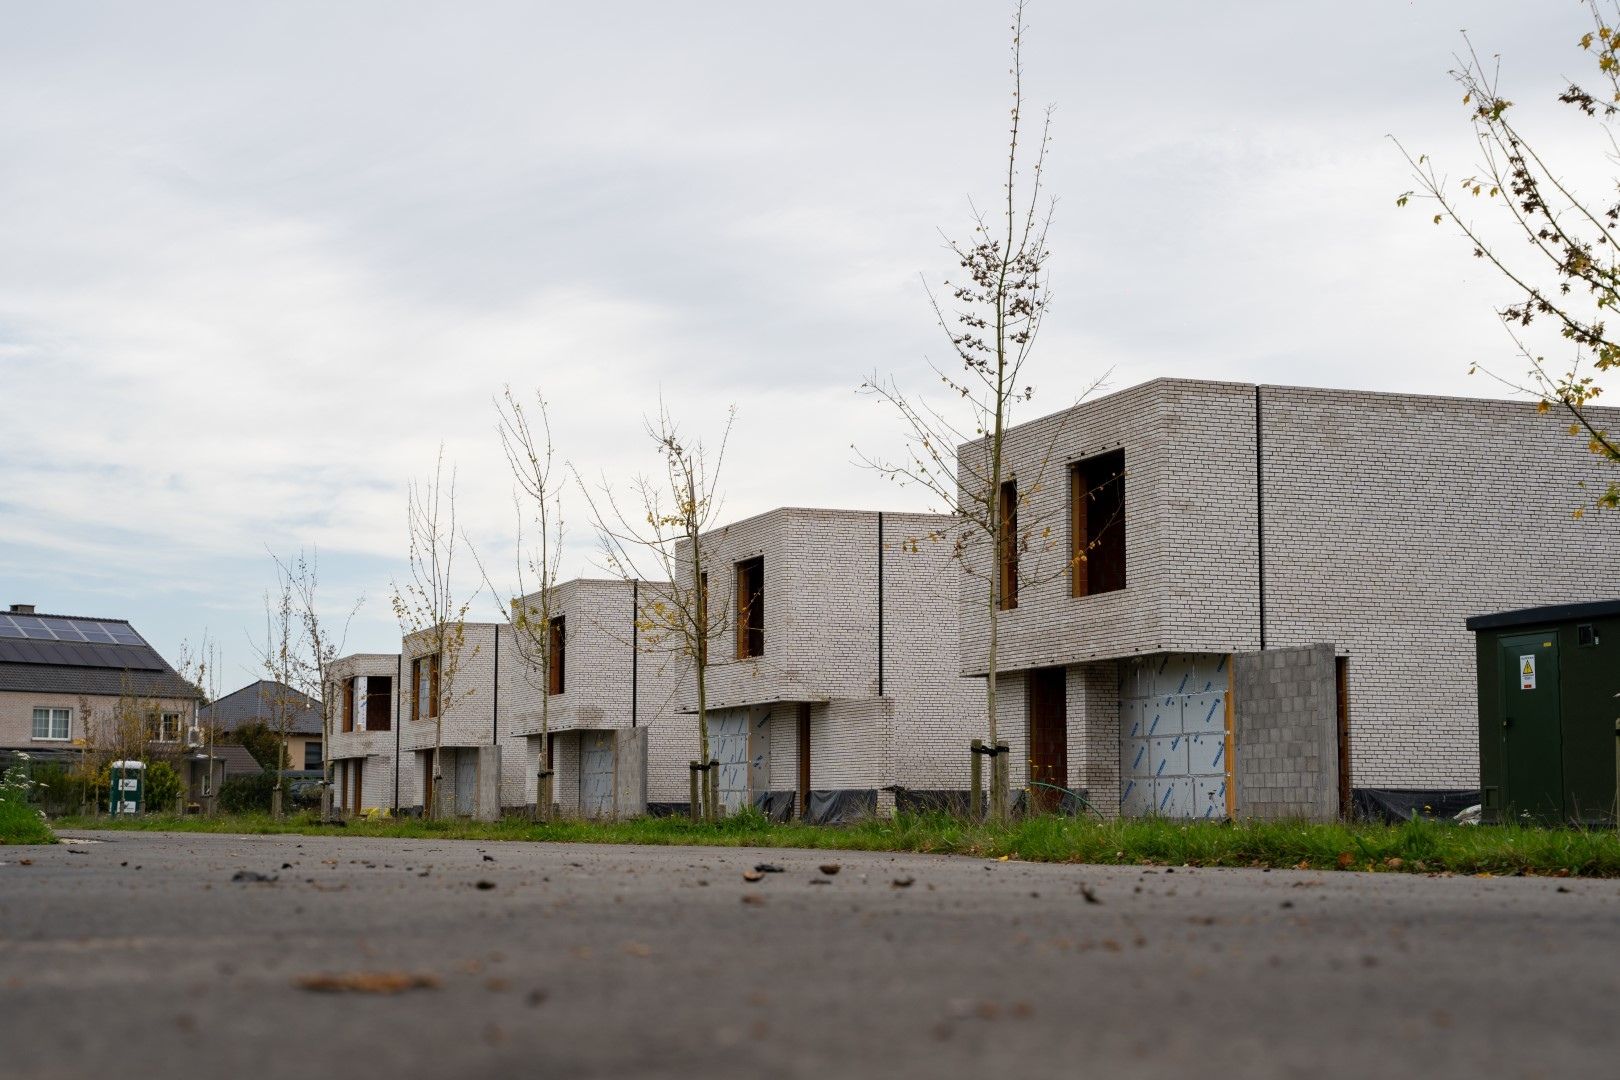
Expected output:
(79, 654)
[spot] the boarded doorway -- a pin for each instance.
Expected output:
(596, 774)
(466, 765)
(1048, 738)
(728, 743)
(1341, 679)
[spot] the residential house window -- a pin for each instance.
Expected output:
(51, 723)
(163, 727)
(751, 607)
(379, 699)
(350, 689)
(1097, 524)
(1007, 542)
(556, 655)
(312, 754)
(425, 678)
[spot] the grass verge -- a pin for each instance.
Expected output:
(21, 824)
(1414, 847)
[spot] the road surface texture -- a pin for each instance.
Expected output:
(139, 955)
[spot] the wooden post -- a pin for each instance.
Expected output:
(998, 783)
(542, 795)
(976, 780)
(695, 807)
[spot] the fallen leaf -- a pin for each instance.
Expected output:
(768, 868)
(902, 882)
(636, 948)
(1345, 860)
(485, 885)
(367, 982)
(753, 898)
(250, 876)
(829, 868)
(1089, 893)
(752, 875)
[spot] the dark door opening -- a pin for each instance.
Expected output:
(804, 760)
(1341, 679)
(1048, 738)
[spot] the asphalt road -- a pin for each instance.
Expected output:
(140, 956)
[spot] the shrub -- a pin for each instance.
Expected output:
(163, 787)
(246, 794)
(19, 822)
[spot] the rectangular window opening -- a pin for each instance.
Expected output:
(557, 656)
(379, 700)
(350, 690)
(51, 724)
(751, 607)
(1007, 541)
(1097, 524)
(312, 754)
(425, 679)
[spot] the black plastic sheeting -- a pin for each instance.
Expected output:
(1404, 804)
(926, 801)
(668, 809)
(843, 806)
(776, 805)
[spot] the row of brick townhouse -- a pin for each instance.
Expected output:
(1221, 599)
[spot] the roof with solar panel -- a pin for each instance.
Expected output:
(76, 654)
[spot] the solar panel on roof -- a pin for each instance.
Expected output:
(36, 628)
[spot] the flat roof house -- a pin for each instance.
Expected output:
(368, 770)
(472, 691)
(1230, 598)
(610, 705)
(833, 683)
(65, 679)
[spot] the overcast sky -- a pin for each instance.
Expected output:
(258, 261)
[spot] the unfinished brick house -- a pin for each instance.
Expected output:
(474, 692)
(368, 771)
(1253, 596)
(833, 690)
(610, 705)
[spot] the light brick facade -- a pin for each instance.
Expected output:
(381, 784)
(906, 728)
(1386, 520)
(611, 682)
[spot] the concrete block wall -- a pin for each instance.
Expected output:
(1284, 719)
(1387, 520)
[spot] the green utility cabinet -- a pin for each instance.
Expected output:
(1549, 712)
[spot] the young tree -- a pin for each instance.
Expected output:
(1554, 248)
(321, 644)
(537, 499)
(429, 603)
(991, 318)
(282, 666)
(657, 541)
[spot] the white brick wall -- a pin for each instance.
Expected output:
(375, 747)
(1388, 519)
(821, 646)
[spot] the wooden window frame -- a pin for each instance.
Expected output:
(384, 718)
(349, 690)
(751, 604)
(1007, 544)
(557, 656)
(425, 709)
(1083, 488)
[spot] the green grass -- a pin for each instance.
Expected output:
(1415, 847)
(21, 824)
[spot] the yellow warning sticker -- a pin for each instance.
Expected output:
(1527, 672)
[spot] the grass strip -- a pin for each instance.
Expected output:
(1413, 847)
(21, 824)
